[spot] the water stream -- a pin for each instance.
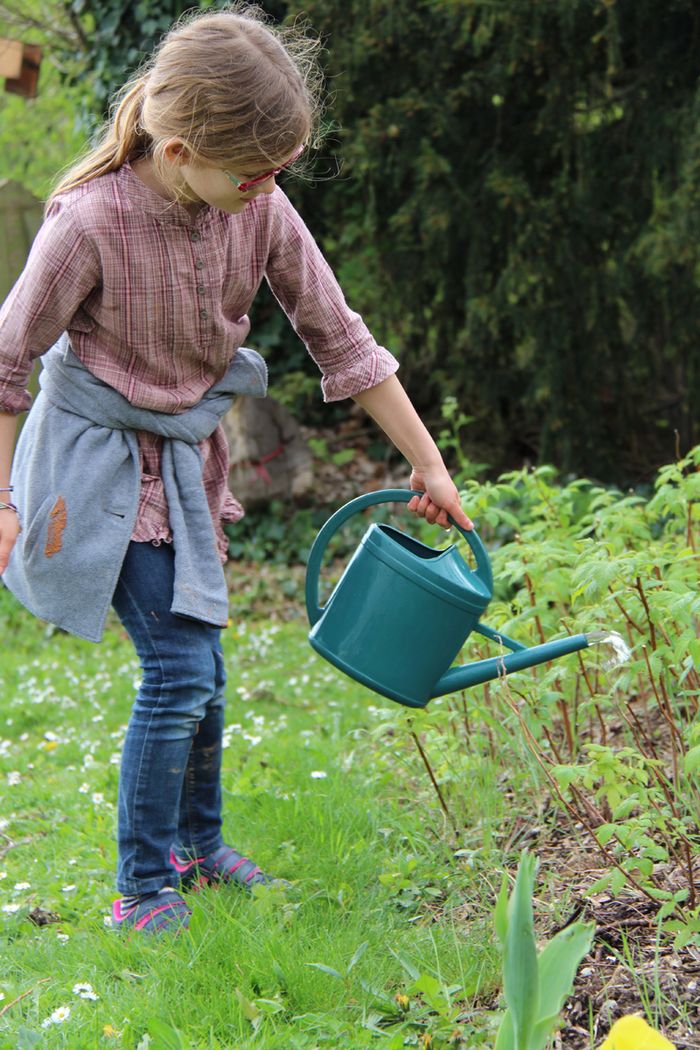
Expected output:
(621, 652)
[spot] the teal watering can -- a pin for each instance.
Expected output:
(402, 611)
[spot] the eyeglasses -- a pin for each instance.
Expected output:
(248, 184)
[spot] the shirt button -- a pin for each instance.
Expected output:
(204, 314)
(194, 236)
(201, 289)
(200, 264)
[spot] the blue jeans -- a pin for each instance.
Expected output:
(170, 780)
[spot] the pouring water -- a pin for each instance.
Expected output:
(621, 653)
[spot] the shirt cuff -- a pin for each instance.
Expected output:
(14, 400)
(368, 371)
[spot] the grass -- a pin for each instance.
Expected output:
(379, 904)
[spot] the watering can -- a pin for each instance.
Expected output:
(402, 611)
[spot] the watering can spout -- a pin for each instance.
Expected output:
(458, 678)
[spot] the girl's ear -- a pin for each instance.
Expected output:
(176, 152)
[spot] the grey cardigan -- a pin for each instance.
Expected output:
(76, 476)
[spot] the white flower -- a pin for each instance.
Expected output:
(23, 885)
(85, 991)
(11, 908)
(97, 798)
(14, 778)
(62, 938)
(84, 788)
(318, 774)
(57, 1017)
(68, 889)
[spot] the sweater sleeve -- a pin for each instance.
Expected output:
(306, 288)
(61, 270)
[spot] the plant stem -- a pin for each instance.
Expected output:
(434, 781)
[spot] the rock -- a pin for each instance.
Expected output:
(269, 457)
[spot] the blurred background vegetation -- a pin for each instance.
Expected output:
(514, 205)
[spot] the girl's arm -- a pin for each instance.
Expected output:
(389, 405)
(9, 522)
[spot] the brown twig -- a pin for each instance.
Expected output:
(630, 622)
(443, 804)
(23, 995)
(533, 602)
(642, 594)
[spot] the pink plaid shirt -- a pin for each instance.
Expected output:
(155, 302)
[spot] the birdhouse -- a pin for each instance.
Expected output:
(19, 65)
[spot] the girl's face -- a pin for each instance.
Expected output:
(213, 186)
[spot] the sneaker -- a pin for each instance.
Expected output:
(223, 865)
(161, 912)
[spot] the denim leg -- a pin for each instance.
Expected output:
(200, 801)
(174, 733)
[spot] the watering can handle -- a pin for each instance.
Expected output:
(369, 499)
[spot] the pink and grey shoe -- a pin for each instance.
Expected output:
(161, 912)
(225, 865)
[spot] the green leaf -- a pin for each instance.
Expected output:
(359, 952)
(326, 969)
(500, 914)
(410, 969)
(506, 1034)
(691, 763)
(250, 1011)
(520, 971)
(558, 962)
(165, 1037)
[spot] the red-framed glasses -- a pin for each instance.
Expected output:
(247, 184)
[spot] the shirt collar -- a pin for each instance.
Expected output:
(151, 203)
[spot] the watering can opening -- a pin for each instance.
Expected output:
(421, 550)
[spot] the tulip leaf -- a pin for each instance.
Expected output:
(520, 971)
(500, 915)
(558, 962)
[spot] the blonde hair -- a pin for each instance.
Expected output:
(236, 90)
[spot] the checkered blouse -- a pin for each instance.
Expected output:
(155, 302)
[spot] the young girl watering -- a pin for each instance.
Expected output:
(137, 291)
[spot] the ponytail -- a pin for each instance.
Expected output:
(123, 137)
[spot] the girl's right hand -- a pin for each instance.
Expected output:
(10, 529)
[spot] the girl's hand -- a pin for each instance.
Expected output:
(10, 529)
(440, 498)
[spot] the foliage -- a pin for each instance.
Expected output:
(618, 750)
(517, 215)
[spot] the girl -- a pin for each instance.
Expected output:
(151, 252)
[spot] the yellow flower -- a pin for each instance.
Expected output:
(109, 1032)
(633, 1033)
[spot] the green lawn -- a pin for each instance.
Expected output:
(393, 826)
(377, 898)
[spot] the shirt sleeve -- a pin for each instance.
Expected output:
(61, 270)
(306, 288)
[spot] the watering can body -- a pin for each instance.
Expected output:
(402, 611)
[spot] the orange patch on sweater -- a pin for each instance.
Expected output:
(57, 523)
